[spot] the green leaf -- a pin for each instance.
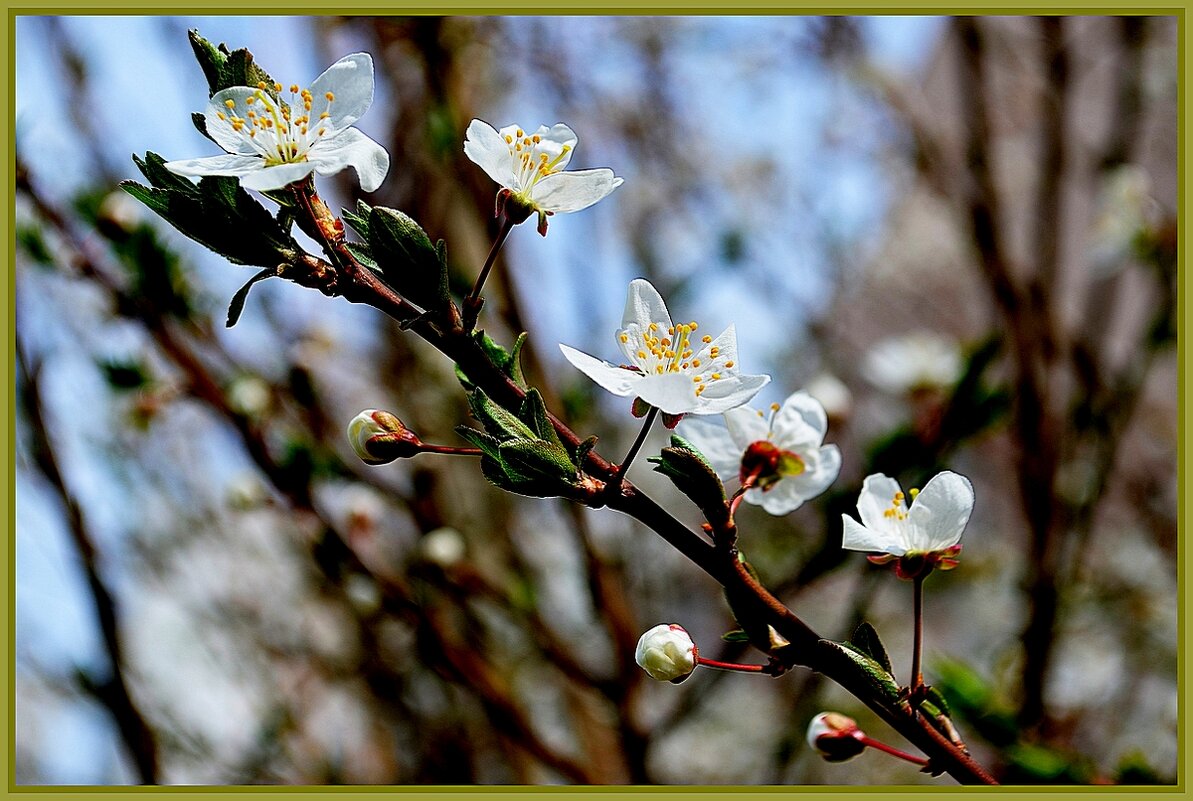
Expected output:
(507, 362)
(878, 678)
(236, 306)
(937, 700)
(690, 472)
(359, 219)
(216, 212)
(363, 255)
(866, 640)
(737, 635)
(582, 451)
(408, 260)
(538, 459)
(534, 414)
(497, 421)
(480, 439)
(222, 68)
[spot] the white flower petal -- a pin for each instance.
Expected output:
(350, 80)
(746, 426)
(487, 148)
(351, 148)
(726, 345)
(730, 392)
(673, 393)
(224, 164)
(856, 537)
(267, 178)
(715, 443)
(878, 491)
(821, 467)
(572, 191)
(939, 513)
(564, 137)
(643, 306)
(221, 129)
(782, 498)
(617, 380)
(800, 422)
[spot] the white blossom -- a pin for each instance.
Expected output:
(271, 142)
(670, 366)
(919, 360)
(531, 166)
(932, 524)
(783, 449)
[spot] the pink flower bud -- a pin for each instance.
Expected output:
(666, 653)
(836, 737)
(379, 437)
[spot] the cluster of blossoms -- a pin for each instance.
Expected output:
(779, 458)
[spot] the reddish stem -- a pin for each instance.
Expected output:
(713, 663)
(895, 752)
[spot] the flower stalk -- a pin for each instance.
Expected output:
(473, 303)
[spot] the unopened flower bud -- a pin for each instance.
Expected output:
(836, 737)
(666, 653)
(379, 437)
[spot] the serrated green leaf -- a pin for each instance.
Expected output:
(582, 451)
(362, 254)
(865, 639)
(497, 421)
(538, 459)
(408, 260)
(691, 474)
(534, 413)
(210, 59)
(479, 439)
(359, 220)
(514, 366)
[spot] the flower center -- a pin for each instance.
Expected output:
(534, 157)
(897, 510)
(769, 464)
(658, 351)
(280, 132)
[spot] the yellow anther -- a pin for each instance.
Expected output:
(671, 330)
(537, 138)
(230, 103)
(684, 365)
(277, 87)
(888, 513)
(706, 339)
(715, 376)
(321, 131)
(670, 354)
(899, 497)
(728, 364)
(667, 341)
(509, 140)
(261, 85)
(294, 88)
(913, 492)
(641, 354)
(521, 133)
(714, 351)
(653, 327)
(774, 407)
(330, 97)
(659, 369)
(220, 114)
(692, 325)
(698, 379)
(324, 115)
(623, 338)
(695, 362)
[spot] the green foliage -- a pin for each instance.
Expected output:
(690, 472)
(507, 361)
(865, 639)
(880, 679)
(31, 240)
(522, 452)
(216, 212)
(405, 255)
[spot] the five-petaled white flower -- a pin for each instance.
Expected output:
(530, 168)
(930, 527)
(781, 455)
(670, 367)
(666, 653)
(272, 143)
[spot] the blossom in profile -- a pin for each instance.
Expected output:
(670, 366)
(378, 437)
(835, 737)
(921, 360)
(271, 142)
(666, 653)
(926, 532)
(781, 455)
(530, 167)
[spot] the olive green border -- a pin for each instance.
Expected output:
(660, 7)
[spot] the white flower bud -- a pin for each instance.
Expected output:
(666, 653)
(834, 736)
(379, 437)
(444, 546)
